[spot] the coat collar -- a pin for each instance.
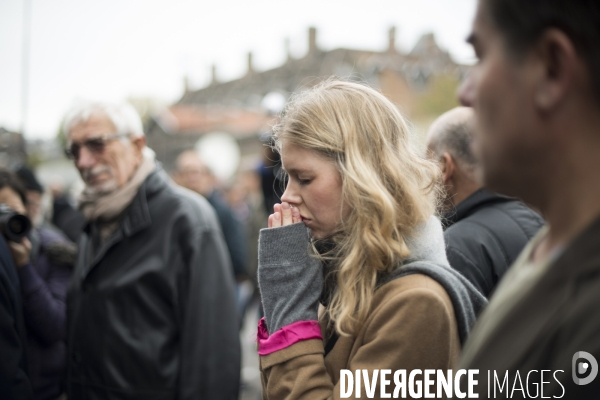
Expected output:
(136, 218)
(541, 308)
(137, 215)
(471, 204)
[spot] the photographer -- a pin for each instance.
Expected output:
(44, 270)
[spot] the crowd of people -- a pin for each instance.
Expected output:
(478, 252)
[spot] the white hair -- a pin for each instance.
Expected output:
(123, 116)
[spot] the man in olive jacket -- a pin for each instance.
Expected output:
(151, 307)
(536, 96)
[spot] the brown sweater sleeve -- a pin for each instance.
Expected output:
(410, 329)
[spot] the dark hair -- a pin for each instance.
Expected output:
(523, 21)
(28, 179)
(9, 179)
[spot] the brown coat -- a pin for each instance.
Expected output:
(412, 325)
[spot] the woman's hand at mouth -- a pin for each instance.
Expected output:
(284, 214)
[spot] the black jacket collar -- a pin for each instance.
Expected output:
(471, 204)
(136, 217)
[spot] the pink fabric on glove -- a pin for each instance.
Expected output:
(286, 336)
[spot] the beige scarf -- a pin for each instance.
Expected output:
(106, 208)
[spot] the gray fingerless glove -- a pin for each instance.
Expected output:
(290, 280)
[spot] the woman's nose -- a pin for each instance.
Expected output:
(291, 196)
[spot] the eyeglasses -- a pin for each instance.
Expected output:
(95, 145)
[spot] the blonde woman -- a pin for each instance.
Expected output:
(373, 254)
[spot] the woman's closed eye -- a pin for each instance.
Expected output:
(304, 181)
(301, 178)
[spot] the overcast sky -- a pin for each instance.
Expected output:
(113, 49)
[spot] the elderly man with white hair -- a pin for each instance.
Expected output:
(485, 232)
(151, 307)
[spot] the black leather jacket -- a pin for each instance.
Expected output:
(151, 313)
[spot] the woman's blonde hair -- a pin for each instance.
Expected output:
(388, 187)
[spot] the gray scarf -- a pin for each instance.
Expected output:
(428, 257)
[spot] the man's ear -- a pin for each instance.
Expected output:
(139, 142)
(558, 63)
(176, 177)
(448, 168)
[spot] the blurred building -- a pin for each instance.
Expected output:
(12, 149)
(420, 82)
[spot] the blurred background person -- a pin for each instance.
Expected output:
(44, 266)
(192, 173)
(65, 215)
(484, 231)
(35, 193)
(246, 200)
(39, 203)
(152, 306)
(272, 177)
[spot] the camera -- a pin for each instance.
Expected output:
(13, 226)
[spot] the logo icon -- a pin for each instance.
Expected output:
(584, 363)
